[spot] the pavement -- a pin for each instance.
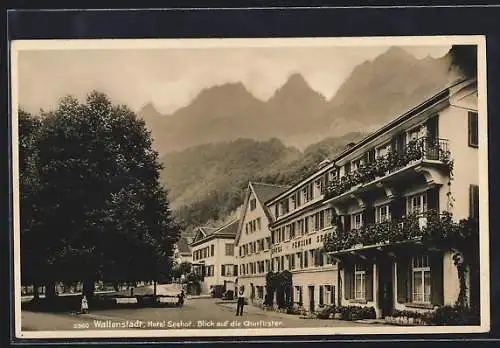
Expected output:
(195, 314)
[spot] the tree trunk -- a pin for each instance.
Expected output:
(36, 293)
(50, 289)
(88, 288)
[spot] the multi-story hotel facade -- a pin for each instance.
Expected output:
(213, 256)
(253, 241)
(437, 146)
(301, 223)
(423, 161)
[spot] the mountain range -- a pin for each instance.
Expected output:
(375, 92)
(226, 136)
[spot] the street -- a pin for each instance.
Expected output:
(196, 314)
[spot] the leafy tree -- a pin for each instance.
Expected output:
(181, 268)
(103, 213)
(33, 257)
(464, 57)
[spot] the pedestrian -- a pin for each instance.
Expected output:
(84, 308)
(180, 297)
(241, 301)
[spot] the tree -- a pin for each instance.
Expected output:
(103, 213)
(181, 268)
(464, 57)
(33, 258)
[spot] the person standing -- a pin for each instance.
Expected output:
(241, 301)
(181, 299)
(84, 305)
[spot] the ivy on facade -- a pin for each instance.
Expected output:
(417, 149)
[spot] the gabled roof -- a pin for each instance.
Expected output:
(229, 229)
(226, 231)
(183, 246)
(263, 192)
(202, 232)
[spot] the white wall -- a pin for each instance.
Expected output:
(453, 125)
(250, 215)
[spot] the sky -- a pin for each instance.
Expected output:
(171, 77)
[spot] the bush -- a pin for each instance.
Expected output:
(453, 315)
(325, 312)
(356, 312)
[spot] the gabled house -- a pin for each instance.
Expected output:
(253, 240)
(213, 256)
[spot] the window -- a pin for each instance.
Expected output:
(253, 204)
(284, 206)
(292, 230)
(413, 135)
(268, 242)
(328, 217)
(417, 204)
(297, 199)
(357, 221)
(359, 282)
(227, 270)
(306, 224)
(229, 249)
(473, 129)
(291, 261)
(258, 224)
(347, 168)
(383, 150)
(383, 213)
(306, 259)
(321, 295)
(421, 279)
(321, 219)
(474, 201)
(276, 211)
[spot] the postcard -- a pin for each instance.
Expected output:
(250, 187)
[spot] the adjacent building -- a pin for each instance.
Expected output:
(182, 251)
(213, 256)
(425, 160)
(253, 240)
(301, 221)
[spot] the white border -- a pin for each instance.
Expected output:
(116, 44)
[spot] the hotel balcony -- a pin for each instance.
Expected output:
(424, 157)
(409, 230)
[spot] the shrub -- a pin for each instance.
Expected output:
(325, 312)
(355, 312)
(453, 315)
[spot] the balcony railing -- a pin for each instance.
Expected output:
(409, 228)
(431, 149)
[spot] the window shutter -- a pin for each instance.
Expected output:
(397, 208)
(369, 282)
(222, 270)
(474, 201)
(347, 223)
(348, 280)
(235, 270)
(473, 129)
(436, 262)
(433, 199)
(402, 281)
(369, 216)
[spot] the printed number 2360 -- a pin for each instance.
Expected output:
(81, 325)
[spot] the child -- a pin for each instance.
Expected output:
(84, 305)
